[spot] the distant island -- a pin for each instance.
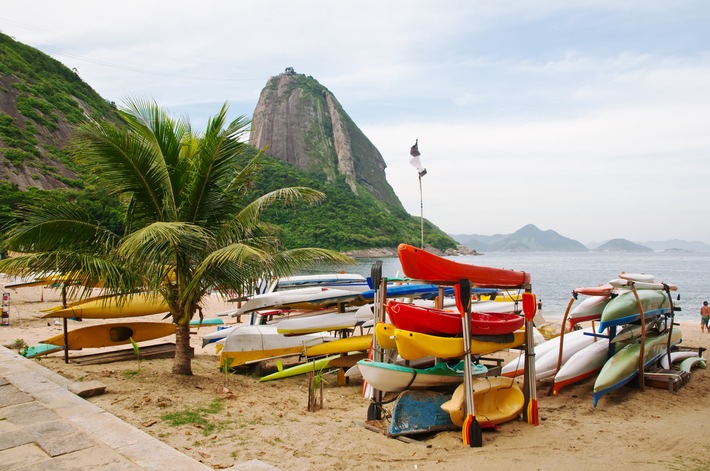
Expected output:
(530, 238)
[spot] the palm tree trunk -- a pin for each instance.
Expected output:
(183, 352)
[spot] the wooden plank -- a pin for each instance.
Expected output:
(166, 350)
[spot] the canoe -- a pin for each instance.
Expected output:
(108, 335)
(623, 309)
(357, 343)
(314, 365)
(495, 400)
(439, 322)
(688, 363)
(516, 366)
(413, 345)
(624, 365)
(584, 364)
(422, 265)
(252, 343)
(389, 377)
(590, 309)
(112, 307)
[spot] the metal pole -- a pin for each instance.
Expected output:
(421, 208)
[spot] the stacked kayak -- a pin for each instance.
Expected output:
(390, 377)
(438, 322)
(624, 365)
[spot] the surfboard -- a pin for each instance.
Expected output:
(110, 334)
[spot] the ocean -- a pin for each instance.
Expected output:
(554, 275)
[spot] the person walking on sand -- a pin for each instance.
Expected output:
(705, 317)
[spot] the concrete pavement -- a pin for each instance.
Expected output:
(44, 426)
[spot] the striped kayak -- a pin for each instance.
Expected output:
(388, 377)
(624, 365)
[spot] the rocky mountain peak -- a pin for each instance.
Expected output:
(303, 124)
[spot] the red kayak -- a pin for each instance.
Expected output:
(436, 322)
(422, 265)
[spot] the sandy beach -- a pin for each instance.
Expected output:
(655, 429)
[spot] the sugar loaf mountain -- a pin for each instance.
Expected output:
(309, 139)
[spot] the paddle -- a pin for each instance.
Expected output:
(374, 410)
(471, 429)
(529, 308)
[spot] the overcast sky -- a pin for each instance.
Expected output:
(590, 118)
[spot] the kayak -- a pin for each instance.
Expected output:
(439, 322)
(422, 265)
(516, 366)
(413, 345)
(357, 343)
(112, 307)
(590, 309)
(585, 363)
(107, 335)
(385, 335)
(495, 400)
(389, 377)
(623, 309)
(252, 343)
(323, 322)
(624, 365)
(311, 366)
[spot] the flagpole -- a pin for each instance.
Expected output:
(416, 162)
(421, 208)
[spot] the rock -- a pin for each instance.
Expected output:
(87, 388)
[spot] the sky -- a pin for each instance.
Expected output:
(587, 117)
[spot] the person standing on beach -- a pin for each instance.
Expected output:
(705, 317)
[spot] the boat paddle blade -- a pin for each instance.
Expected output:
(529, 306)
(471, 432)
(462, 290)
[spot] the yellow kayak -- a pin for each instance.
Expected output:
(496, 399)
(413, 345)
(109, 307)
(385, 335)
(108, 335)
(357, 343)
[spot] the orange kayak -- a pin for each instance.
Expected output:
(422, 265)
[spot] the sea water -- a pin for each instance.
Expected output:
(553, 275)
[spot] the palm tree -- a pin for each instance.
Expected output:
(189, 223)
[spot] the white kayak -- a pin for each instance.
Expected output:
(590, 309)
(387, 377)
(516, 366)
(250, 343)
(299, 298)
(324, 322)
(583, 364)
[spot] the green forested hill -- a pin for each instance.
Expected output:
(41, 101)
